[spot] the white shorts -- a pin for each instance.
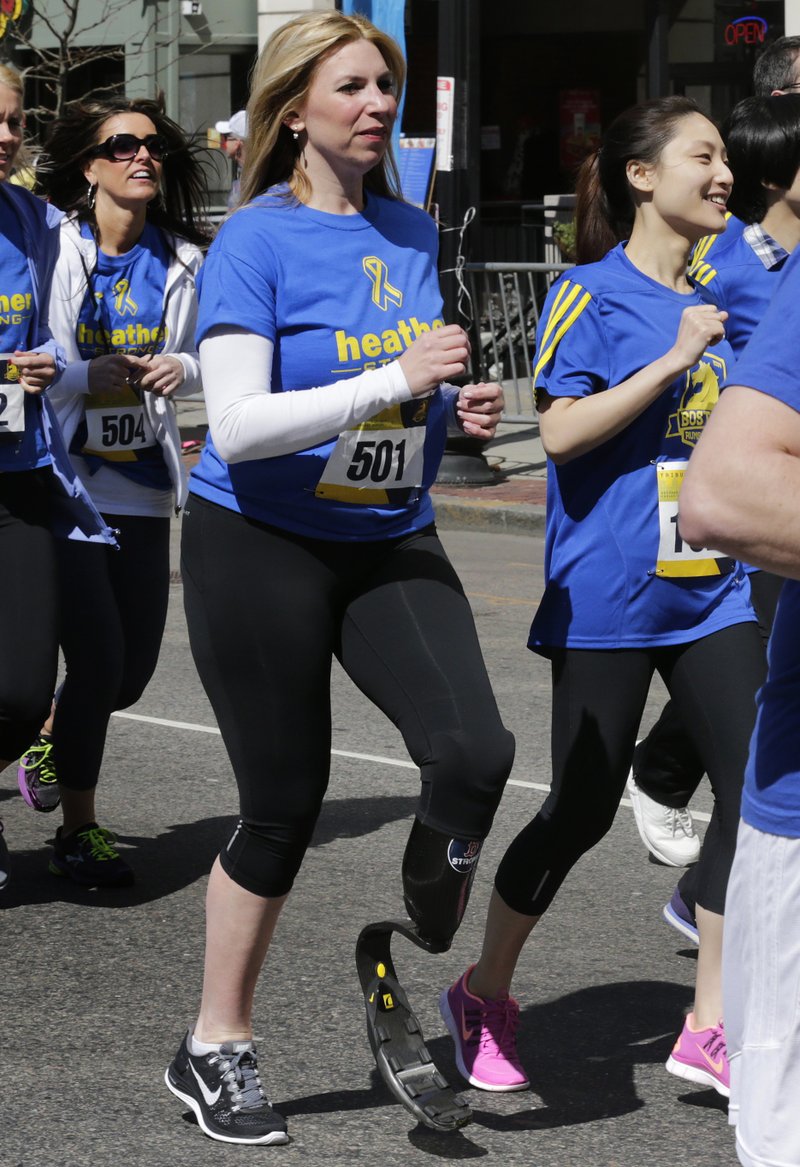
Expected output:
(761, 985)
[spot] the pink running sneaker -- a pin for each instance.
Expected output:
(701, 1055)
(485, 1036)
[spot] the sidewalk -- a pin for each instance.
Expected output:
(513, 502)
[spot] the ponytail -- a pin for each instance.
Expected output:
(594, 235)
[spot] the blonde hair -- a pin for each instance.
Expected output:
(10, 78)
(281, 81)
(13, 81)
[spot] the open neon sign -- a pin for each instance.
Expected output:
(746, 30)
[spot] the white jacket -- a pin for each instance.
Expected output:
(180, 296)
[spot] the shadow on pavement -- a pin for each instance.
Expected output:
(182, 854)
(580, 1052)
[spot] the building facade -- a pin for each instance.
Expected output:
(549, 76)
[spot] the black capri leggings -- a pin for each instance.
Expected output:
(28, 609)
(113, 611)
(666, 763)
(598, 700)
(267, 610)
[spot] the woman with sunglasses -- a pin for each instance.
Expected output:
(32, 458)
(123, 305)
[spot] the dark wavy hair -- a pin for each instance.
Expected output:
(763, 139)
(183, 200)
(604, 206)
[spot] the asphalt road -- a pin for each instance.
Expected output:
(97, 987)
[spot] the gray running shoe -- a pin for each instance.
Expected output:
(225, 1092)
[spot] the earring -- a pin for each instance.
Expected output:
(91, 196)
(295, 135)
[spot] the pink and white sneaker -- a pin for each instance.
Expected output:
(701, 1056)
(485, 1036)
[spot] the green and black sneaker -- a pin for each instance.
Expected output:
(88, 857)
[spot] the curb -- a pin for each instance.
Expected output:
(455, 514)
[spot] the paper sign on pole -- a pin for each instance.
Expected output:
(445, 95)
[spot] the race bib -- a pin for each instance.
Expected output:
(117, 427)
(12, 398)
(676, 559)
(381, 461)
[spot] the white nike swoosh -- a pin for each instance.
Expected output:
(211, 1099)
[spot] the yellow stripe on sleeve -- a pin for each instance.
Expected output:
(704, 245)
(701, 248)
(702, 273)
(563, 327)
(566, 295)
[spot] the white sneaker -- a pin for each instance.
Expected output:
(668, 834)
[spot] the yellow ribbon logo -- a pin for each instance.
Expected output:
(123, 301)
(382, 291)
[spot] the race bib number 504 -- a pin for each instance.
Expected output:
(12, 398)
(676, 559)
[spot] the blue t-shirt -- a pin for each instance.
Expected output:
(705, 251)
(20, 448)
(740, 284)
(617, 574)
(771, 799)
(336, 294)
(123, 312)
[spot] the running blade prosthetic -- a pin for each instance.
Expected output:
(395, 1034)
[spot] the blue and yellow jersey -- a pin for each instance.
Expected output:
(740, 283)
(22, 444)
(617, 574)
(337, 295)
(771, 800)
(123, 312)
(705, 252)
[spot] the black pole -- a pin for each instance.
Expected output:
(457, 190)
(657, 18)
(458, 173)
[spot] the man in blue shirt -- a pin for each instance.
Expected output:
(740, 494)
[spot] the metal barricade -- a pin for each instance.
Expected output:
(506, 299)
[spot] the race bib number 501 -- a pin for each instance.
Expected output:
(382, 461)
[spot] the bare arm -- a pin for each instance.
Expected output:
(742, 484)
(571, 426)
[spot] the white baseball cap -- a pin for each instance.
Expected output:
(236, 127)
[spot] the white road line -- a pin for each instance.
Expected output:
(164, 721)
(700, 815)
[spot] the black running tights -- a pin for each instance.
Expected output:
(113, 611)
(28, 609)
(666, 763)
(598, 700)
(267, 610)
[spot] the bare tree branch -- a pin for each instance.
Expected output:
(70, 24)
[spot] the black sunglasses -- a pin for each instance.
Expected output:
(124, 147)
